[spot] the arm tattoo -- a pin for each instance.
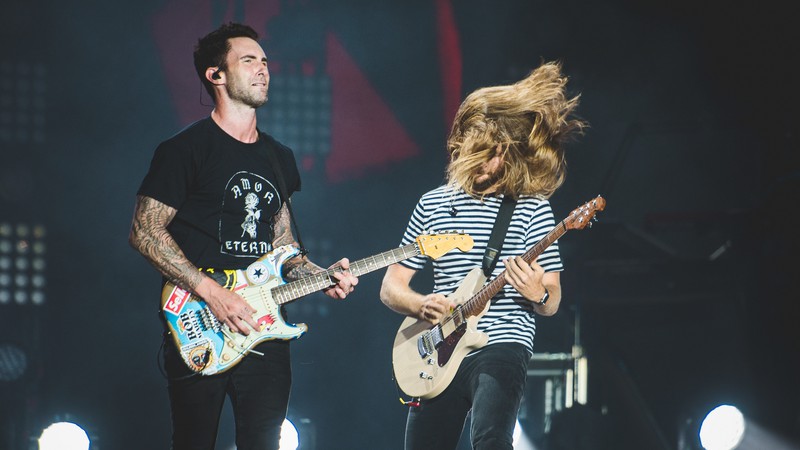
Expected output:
(150, 237)
(297, 267)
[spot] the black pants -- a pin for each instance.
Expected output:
(259, 391)
(491, 384)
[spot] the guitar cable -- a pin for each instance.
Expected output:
(413, 403)
(410, 403)
(160, 362)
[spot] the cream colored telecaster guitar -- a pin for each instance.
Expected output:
(208, 347)
(426, 357)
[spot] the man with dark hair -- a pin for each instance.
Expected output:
(212, 200)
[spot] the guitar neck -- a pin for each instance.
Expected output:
(477, 302)
(288, 292)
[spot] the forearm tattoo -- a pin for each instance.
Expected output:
(150, 237)
(297, 267)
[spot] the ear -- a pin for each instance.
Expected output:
(215, 76)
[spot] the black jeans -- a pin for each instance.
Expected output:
(259, 391)
(490, 383)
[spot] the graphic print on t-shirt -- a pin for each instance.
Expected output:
(250, 224)
(248, 198)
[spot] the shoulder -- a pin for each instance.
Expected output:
(534, 211)
(189, 139)
(273, 143)
(192, 131)
(284, 152)
(533, 203)
(437, 195)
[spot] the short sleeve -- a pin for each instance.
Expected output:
(416, 227)
(170, 175)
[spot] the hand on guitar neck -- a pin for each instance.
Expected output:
(531, 281)
(345, 281)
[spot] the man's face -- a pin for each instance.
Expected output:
(489, 172)
(247, 73)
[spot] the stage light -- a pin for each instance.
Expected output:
(722, 429)
(290, 439)
(521, 441)
(22, 264)
(64, 436)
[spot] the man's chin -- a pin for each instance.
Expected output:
(258, 102)
(484, 187)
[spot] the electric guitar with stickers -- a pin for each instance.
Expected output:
(425, 357)
(208, 347)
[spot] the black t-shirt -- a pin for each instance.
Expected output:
(225, 193)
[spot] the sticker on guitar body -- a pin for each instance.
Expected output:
(176, 301)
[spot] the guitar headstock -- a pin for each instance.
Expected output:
(436, 245)
(583, 215)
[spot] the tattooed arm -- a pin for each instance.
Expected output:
(300, 266)
(149, 236)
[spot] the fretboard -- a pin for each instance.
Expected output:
(285, 293)
(477, 302)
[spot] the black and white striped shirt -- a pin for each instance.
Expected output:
(510, 317)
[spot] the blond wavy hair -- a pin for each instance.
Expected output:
(528, 121)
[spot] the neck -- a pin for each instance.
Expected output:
(240, 122)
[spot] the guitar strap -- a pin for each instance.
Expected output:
(498, 235)
(276, 167)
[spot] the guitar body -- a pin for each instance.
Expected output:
(424, 374)
(204, 345)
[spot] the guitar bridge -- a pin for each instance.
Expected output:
(429, 341)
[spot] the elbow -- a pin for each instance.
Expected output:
(551, 308)
(547, 312)
(135, 240)
(388, 293)
(384, 294)
(132, 241)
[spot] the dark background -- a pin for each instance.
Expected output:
(684, 290)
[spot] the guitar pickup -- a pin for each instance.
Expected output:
(209, 321)
(429, 341)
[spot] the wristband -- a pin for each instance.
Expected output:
(544, 299)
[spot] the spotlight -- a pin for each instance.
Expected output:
(722, 429)
(64, 436)
(521, 441)
(290, 439)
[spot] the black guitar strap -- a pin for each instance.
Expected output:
(498, 235)
(276, 167)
